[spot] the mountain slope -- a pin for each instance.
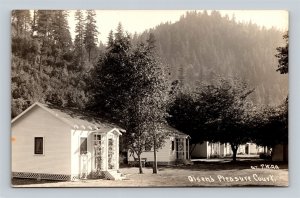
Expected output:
(200, 46)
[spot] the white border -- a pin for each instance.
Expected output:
(293, 6)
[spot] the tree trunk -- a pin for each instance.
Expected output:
(234, 152)
(140, 164)
(155, 159)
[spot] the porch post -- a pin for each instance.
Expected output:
(106, 152)
(184, 148)
(117, 152)
(188, 148)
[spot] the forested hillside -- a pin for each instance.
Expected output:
(200, 46)
(46, 65)
(49, 66)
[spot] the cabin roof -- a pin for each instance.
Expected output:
(73, 117)
(175, 132)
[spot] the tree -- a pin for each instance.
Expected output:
(111, 77)
(80, 52)
(216, 112)
(229, 113)
(90, 33)
(271, 122)
(21, 22)
(153, 86)
(24, 86)
(270, 125)
(283, 56)
(42, 61)
(63, 42)
(128, 75)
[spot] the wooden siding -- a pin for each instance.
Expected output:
(165, 154)
(200, 151)
(280, 153)
(57, 143)
(225, 150)
(252, 149)
(209, 150)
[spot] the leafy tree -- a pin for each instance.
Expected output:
(152, 84)
(216, 112)
(270, 125)
(128, 75)
(230, 112)
(271, 122)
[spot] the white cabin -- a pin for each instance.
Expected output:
(175, 149)
(60, 144)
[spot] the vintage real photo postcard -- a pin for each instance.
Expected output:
(149, 98)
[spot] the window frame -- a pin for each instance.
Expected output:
(80, 146)
(35, 145)
(172, 145)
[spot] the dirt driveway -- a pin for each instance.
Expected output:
(220, 173)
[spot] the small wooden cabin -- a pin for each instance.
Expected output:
(175, 149)
(280, 152)
(60, 144)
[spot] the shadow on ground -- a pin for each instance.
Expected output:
(227, 164)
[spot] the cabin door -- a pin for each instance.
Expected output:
(179, 148)
(83, 158)
(247, 149)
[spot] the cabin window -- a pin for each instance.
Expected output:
(173, 145)
(38, 145)
(83, 145)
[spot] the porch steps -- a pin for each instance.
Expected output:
(114, 175)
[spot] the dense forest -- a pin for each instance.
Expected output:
(49, 66)
(201, 46)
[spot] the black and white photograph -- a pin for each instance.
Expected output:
(149, 98)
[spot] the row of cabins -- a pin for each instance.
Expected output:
(60, 144)
(216, 150)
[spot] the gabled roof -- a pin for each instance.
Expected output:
(175, 132)
(72, 117)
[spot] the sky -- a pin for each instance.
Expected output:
(141, 20)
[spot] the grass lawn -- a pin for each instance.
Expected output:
(203, 173)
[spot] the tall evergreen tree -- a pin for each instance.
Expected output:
(80, 56)
(90, 33)
(21, 22)
(62, 37)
